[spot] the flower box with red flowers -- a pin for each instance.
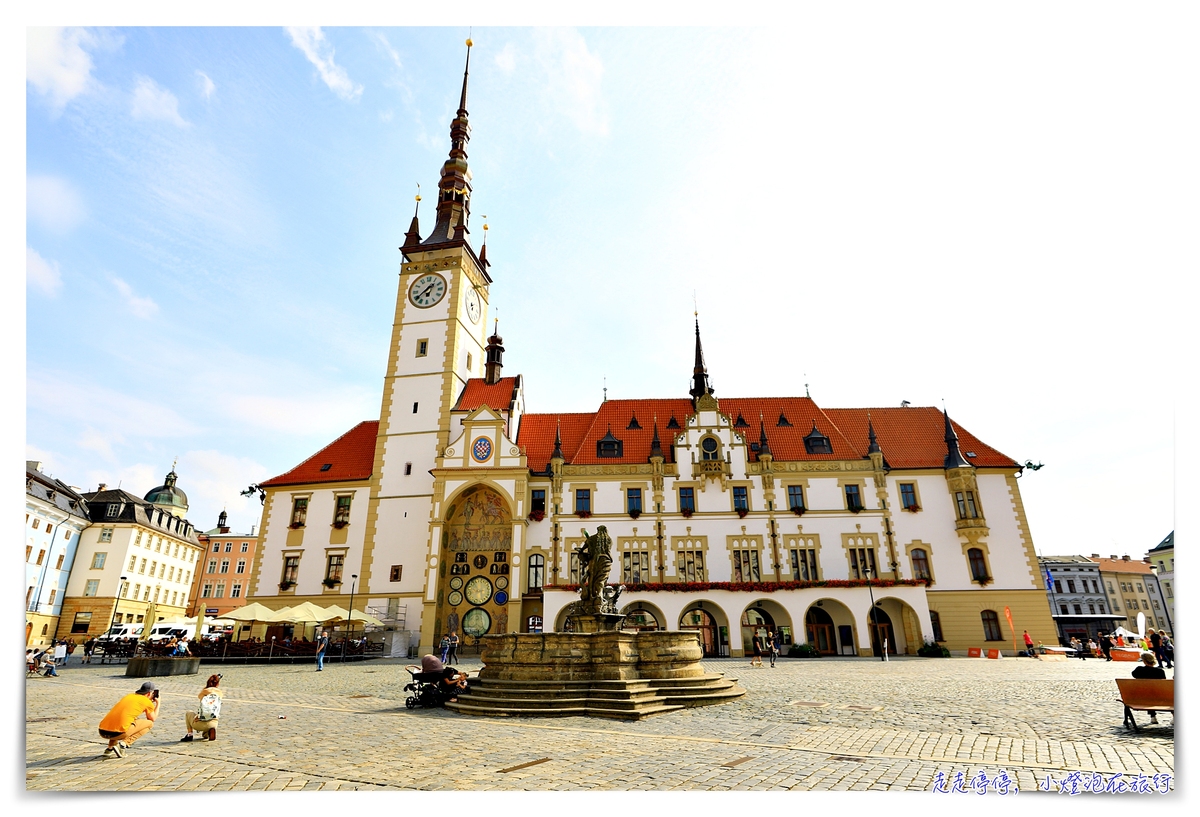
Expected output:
(583, 514)
(537, 516)
(687, 513)
(912, 508)
(634, 513)
(742, 512)
(798, 510)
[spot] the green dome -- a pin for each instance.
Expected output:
(167, 495)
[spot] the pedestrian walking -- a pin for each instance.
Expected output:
(1168, 651)
(89, 647)
(132, 717)
(776, 641)
(322, 646)
(1106, 645)
(445, 647)
(756, 661)
(70, 650)
(454, 642)
(1028, 643)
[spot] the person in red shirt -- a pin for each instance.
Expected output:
(124, 723)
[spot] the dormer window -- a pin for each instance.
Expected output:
(673, 423)
(817, 443)
(783, 421)
(633, 423)
(112, 510)
(609, 446)
(741, 422)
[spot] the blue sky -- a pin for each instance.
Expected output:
(897, 206)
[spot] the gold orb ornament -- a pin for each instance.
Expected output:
(469, 43)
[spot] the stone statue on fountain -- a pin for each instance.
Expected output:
(596, 609)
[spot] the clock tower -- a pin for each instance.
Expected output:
(437, 343)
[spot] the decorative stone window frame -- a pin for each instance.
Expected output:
(590, 487)
(298, 554)
(570, 545)
(647, 496)
(862, 491)
(928, 548)
(801, 541)
(689, 544)
(342, 551)
(696, 488)
(745, 542)
(705, 435)
(741, 483)
(787, 483)
(307, 497)
(916, 485)
(987, 561)
(857, 541)
(637, 544)
(338, 496)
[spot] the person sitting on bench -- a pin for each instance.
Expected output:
(1148, 670)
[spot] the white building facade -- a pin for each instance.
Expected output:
(729, 516)
(55, 516)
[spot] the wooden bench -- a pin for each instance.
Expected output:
(1146, 694)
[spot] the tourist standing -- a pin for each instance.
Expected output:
(445, 646)
(776, 639)
(1168, 651)
(322, 645)
(453, 655)
(89, 647)
(1106, 645)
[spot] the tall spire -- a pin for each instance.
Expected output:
(557, 454)
(655, 443)
(495, 354)
(954, 459)
(413, 237)
(700, 382)
(454, 188)
(873, 448)
(764, 447)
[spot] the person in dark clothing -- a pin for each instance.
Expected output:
(1155, 639)
(1106, 645)
(1148, 670)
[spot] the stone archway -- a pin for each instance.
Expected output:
(765, 615)
(829, 626)
(642, 615)
(711, 624)
(473, 577)
(905, 626)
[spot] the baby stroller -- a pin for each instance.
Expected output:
(425, 687)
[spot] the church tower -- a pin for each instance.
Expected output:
(437, 343)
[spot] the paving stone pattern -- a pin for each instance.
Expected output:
(286, 727)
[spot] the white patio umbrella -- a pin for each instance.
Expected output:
(340, 614)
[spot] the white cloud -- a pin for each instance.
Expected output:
(41, 274)
(386, 47)
(311, 41)
(506, 60)
(53, 203)
(573, 74)
(57, 65)
(207, 86)
(151, 101)
(138, 305)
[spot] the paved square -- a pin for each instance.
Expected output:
(827, 724)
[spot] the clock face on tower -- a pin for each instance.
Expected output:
(427, 290)
(473, 305)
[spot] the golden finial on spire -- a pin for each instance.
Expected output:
(418, 191)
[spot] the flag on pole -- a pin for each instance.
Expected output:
(1008, 615)
(1049, 578)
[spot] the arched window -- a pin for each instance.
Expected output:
(991, 626)
(979, 570)
(709, 450)
(936, 621)
(537, 571)
(920, 564)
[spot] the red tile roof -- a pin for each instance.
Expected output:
(500, 395)
(909, 437)
(350, 457)
(1122, 566)
(913, 437)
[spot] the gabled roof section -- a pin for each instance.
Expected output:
(787, 441)
(501, 395)
(912, 437)
(636, 442)
(1165, 544)
(349, 457)
(536, 436)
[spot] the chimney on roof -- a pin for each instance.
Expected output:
(104, 485)
(252, 527)
(1095, 555)
(1114, 556)
(1125, 558)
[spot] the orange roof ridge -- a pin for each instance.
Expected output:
(352, 455)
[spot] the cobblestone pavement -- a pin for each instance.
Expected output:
(828, 724)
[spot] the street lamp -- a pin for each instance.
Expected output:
(116, 603)
(871, 593)
(346, 642)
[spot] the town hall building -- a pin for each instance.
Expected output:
(850, 529)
